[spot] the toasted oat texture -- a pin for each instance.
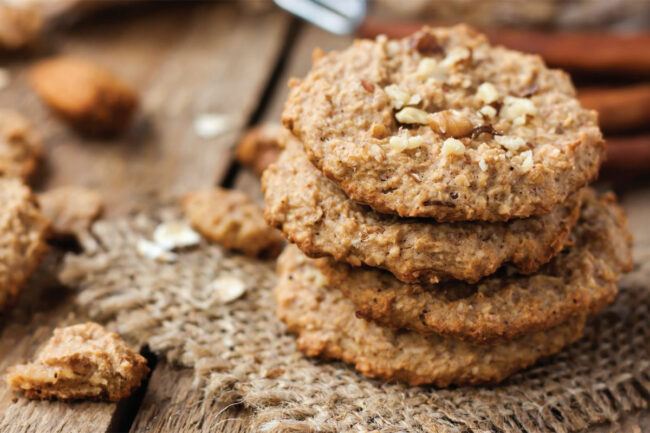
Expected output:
(70, 209)
(259, 147)
(442, 125)
(20, 146)
(581, 279)
(19, 26)
(81, 362)
(22, 238)
(230, 218)
(327, 326)
(85, 94)
(316, 215)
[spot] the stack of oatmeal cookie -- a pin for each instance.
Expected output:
(439, 184)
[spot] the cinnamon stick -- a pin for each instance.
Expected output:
(619, 108)
(626, 54)
(628, 153)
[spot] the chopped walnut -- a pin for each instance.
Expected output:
(527, 164)
(518, 109)
(512, 144)
(488, 111)
(451, 146)
(81, 362)
(232, 219)
(411, 115)
(487, 93)
(399, 96)
(450, 123)
(456, 55)
(426, 43)
(482, 165)
(401, 143)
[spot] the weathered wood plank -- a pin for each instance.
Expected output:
(172, 403)
(185, 61)
(188, 60)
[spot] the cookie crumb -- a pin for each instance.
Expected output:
(232, 219)
(88, 96)
(81, 362)
(70, 209)
(260, 147)
(20, 146)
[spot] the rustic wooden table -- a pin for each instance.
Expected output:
(184, 60)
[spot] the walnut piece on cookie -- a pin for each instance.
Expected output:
(259, 147)
(443, 125)
(85, 94)
(232, 219)
(19, 26)
(70, 209)
(81, 362)
(22, 238)
(20, 146)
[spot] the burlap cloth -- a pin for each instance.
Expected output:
(242, 353)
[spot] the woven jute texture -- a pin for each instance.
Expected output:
(242, 353)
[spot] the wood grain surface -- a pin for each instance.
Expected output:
(184, 60)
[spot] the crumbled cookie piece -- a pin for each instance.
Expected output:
(22, 233)
(19, 27)
(81, 362)
(85, 94)
(230, 218)
(259, 147)
(70, 209)
(20, 146)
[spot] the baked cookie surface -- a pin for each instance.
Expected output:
(442, 125)
(316, 215)
(230, 218)
(22, 238)
(20, 146)
(580, 279)
(81, 362)
(327, 327)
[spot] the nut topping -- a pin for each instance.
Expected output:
(450, 123)
(411, 115)
(426, 44)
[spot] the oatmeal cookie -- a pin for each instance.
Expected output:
(259, 147)
(327, 327)
(88, 96)
(81, 362)
(316, 215)
(230, 218)
(70, 209)
(19, 26)
(22, 238)
(443, 125)
(20, 146)
(505, 305)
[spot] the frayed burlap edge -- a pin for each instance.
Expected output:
(241, 353)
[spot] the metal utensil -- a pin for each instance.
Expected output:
(341, 17)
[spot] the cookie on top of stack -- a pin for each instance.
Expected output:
(435, 188)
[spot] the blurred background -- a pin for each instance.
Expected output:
(206, 72)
